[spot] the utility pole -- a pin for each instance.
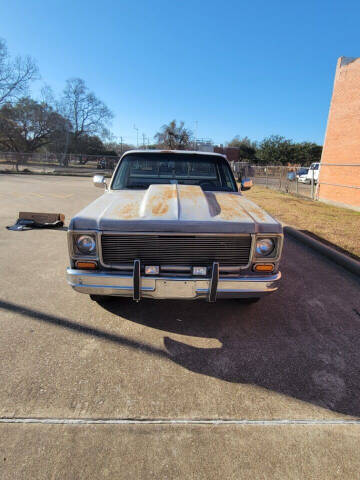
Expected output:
(195, 133)
(121, 145)
(137, 136)
(143, 135)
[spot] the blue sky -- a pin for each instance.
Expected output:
(236, 68)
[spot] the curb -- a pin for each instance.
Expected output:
(346, 262)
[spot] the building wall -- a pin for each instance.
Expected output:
(342, 140)
(232, 153)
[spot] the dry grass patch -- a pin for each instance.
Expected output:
(340, 226)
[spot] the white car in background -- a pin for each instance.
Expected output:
(313, 173)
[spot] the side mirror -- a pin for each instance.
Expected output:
(99, 181)
(246, 184)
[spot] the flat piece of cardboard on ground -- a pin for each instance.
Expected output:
(42, 217)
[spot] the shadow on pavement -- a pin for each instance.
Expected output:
(303, 341)
(299, 353)
(80, 328)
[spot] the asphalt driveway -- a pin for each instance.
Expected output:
(293, 357)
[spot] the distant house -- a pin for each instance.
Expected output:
(232, 153)
(204, 146)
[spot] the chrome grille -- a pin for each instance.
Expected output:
(202, 250)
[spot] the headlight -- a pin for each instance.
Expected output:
(264, 246)
(86, 244)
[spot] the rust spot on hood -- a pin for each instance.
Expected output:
(257, 212)
(128, 211)
(230, 207)
(159, 207)
(159, 203)
(190, 192)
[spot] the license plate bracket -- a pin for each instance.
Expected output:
(174, 289)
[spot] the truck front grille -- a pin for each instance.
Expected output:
(202, 250)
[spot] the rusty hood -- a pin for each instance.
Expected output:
(175, 208)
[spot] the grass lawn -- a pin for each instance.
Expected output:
(339, 226)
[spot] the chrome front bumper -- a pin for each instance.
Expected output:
(136, 286)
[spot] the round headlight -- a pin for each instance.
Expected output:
(86, 244)
(264, 246)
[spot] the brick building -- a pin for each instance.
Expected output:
(339, 181)
(232, 153)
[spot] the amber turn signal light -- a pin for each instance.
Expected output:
(86, 265)
(264, 267)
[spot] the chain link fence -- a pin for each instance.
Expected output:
(276, 177)
(301, 181)
(341, 180)
(297, 180)
(56, 163)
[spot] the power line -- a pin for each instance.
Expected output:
(137, 136)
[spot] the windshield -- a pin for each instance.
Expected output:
(139, 171)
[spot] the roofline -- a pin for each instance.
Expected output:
(190, 152)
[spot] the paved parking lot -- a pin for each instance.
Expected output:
(285, 371)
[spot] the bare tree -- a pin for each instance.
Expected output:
(15, 75)
(87, 114)
(174, 136)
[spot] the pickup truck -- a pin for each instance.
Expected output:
(173, 225)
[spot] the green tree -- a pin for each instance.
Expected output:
(29, 125)
(307, 153)
(276, 150)
(247, 148)
(89, 145)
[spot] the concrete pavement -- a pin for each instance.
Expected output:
(173, 452)
(294, 355)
